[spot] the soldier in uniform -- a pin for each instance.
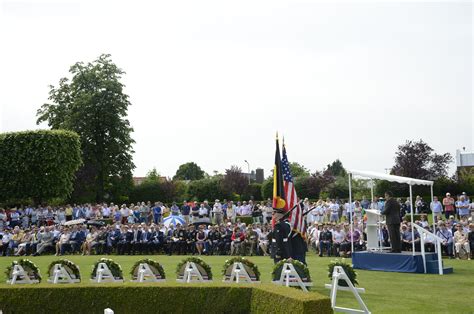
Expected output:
(281, 245)
(298, 247)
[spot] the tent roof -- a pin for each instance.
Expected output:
(389, 177)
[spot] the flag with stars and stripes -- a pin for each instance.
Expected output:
(296, 215)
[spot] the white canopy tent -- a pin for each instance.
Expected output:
(391, 178)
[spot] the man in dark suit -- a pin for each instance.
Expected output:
(392, 218)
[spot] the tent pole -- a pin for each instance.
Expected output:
(411, 216)
(434, 223)
(371, 191)
(350, 213)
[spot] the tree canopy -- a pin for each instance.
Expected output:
(234, 180)
(418, 160)
(189, 171)
(38, 165)
(93, 104)
(298, 170)
(336, 169)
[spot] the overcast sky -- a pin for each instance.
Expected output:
(212, 81)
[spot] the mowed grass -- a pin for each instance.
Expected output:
(385, 292)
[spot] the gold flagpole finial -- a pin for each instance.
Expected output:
(277, 135)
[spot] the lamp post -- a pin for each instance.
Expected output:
(248, 165)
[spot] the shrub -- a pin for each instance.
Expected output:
(416, 217)
(347, 269)
(248, 220)
(38, 164)
(267, 189)
(172, 298)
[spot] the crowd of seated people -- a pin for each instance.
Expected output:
(139, 229)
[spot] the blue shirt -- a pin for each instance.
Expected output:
(463, 207)
(157, 211)
(185, 209)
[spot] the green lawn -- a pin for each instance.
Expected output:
(385, 292)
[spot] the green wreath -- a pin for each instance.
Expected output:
(155, 267)
(115, 268)
(350, 272)
(300, 268)
(71, 268)
(31, 269)
(202, 266)
(230, 262)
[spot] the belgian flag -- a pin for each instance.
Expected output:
(278, 190)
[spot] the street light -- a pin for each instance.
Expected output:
(248, 165)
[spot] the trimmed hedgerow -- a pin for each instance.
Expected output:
(169, 298)
(278, 299)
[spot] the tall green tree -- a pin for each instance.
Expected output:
(336, 169)
(93, 104)
(38, 165)
(189, 171)
(298, 170)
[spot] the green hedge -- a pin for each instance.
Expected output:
(149, 298)
(38, 164)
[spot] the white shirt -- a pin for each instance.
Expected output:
(217, 208)
(202, 211)
(105, 211)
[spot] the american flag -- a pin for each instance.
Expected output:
(296, 216)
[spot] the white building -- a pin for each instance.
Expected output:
(464, 160)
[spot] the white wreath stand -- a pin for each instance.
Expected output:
(145, 274)
(290, 278)
(103, 274)
(191, 274)
(61, 275)
(20, 276)
(239, 274)
(337, 274)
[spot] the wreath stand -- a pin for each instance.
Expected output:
(145, 274)
(239, 274)
(191, 274)
(103, 274)
(19, 276)
(61, 275)
(290, 278)
(339, 274)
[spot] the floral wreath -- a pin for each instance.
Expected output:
(300, 268)
(155, 267)
(230, 262)
(70, 267)
(350, 272)
(203, 267)
(115, 268)
(31, 269)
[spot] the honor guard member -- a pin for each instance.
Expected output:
(298, 243)
(281, 236)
